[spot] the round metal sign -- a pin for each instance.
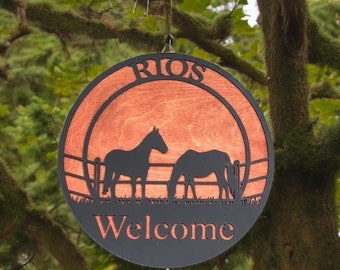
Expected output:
(166, 160)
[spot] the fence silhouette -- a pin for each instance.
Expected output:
(96, 182)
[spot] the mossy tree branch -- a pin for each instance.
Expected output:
(52, 20)
(18, 215)
(323, 50)
(191, 30)
(20, 32)
(310, 154)
(324, 90)
(208, 38)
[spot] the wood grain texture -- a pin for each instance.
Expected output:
(188, 117)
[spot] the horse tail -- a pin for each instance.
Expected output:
(107, 178)
(175, 174)
(227, 159)
(232, 181)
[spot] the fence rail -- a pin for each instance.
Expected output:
(96, 180)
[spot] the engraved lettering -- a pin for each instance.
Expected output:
(203, 231)
(174, 231)
(135, 230)
(147, 227)
(169, 67)
(142, 72)
(154, 68)
(111, 225)
(197, 72)
(134, 227)
(157, 233)
(226, 228)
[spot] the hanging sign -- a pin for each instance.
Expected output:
(166, 160)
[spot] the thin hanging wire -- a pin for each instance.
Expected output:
(169, 38)
(146, 13)
(135, 6)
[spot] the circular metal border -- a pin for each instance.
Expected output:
(159, 56)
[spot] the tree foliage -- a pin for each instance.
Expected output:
(51, 49)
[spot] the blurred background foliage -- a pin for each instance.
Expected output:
(42, 73)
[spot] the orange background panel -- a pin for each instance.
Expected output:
(255, 187)
(188, 117)
(78, 185)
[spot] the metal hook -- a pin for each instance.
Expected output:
(169, 38)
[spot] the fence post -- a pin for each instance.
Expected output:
(97, 174)
(236, 172)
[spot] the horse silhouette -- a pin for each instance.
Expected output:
(134, 163)
(193, 164)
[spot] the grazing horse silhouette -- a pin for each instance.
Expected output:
(134, 163)
(200, 164)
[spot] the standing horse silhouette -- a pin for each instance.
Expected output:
(134, 163)
(200, 164)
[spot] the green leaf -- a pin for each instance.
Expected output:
(194, 5)
(326, 110)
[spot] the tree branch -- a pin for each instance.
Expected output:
(322, 48)
(313, 155)
(323, 90)
(50, 236)
(18, 215)
(190, 29)
(20, 32)
(327, 153)
(51, 20)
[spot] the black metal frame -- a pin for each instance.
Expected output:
(214, 214)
